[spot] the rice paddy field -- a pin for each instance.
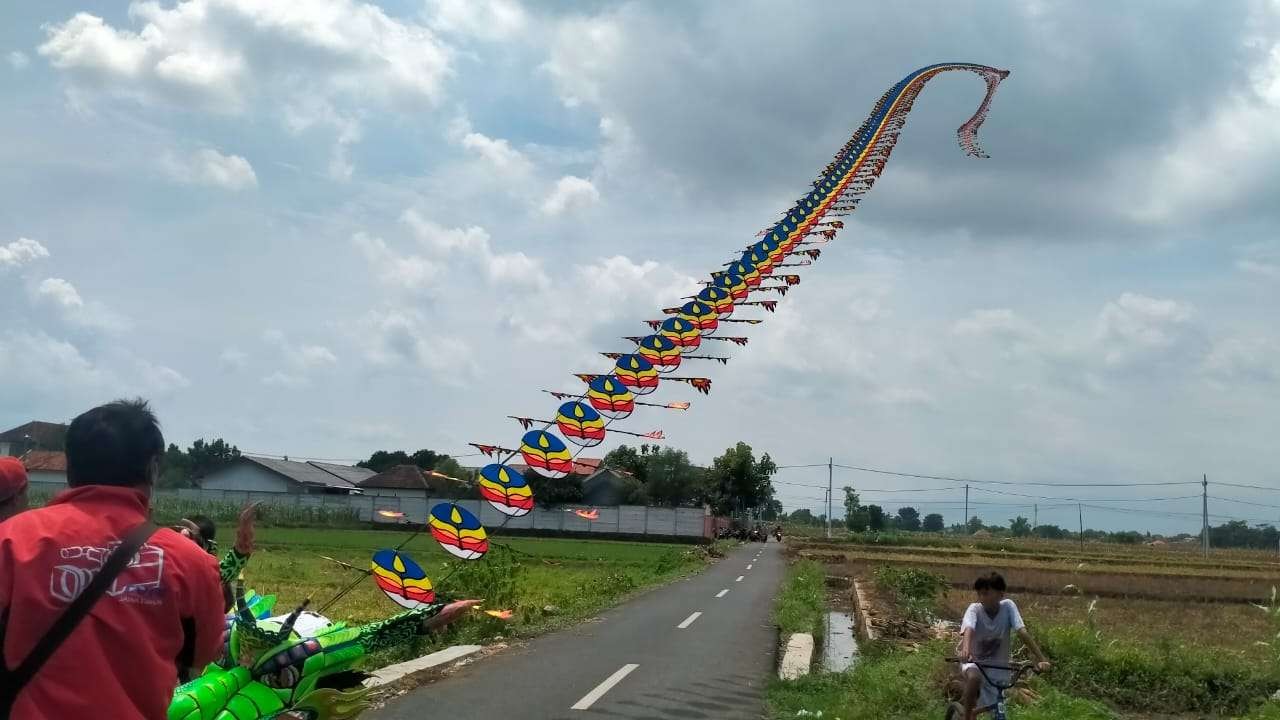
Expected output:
(1135, 632)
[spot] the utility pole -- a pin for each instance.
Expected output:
(1035, 516)
(965, 524)
(830, 468)
(1080, 509)
(1204, 533)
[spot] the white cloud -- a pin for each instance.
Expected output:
(398, 336)
(471, 244)
(301, 357)
(60, 292)
(21, 251)
(212, 168)
(1261, 259)
(1254, 358)
(42, 364)
(332, 60)
(285, 380)
(496, 151)
(488, 20)
(407, 272)
(1137, 327)
(18, 60)
(582, 53)
(571, 193)
(1002, 322)
(159, 380)
(233, 359)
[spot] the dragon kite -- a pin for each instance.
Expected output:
(305, 666)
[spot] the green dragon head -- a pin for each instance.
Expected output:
(272, 671)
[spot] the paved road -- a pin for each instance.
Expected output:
(650, 659)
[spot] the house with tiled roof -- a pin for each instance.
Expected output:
(410, 481)
(46, 468)
(34, 435)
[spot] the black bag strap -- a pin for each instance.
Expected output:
(66, 623)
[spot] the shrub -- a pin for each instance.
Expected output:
(916, 591)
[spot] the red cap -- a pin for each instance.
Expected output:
(13, 477)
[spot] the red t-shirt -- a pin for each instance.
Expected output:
(121, 661)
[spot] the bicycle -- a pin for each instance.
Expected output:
(955, 710)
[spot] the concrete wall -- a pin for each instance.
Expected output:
(395, 492)
(624, 519)
(247, 477)
(48, 479)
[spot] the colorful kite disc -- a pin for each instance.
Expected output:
(717, 298)
(702, 315)
(661, 352)
(546, 454)
(637, 373)
(748, 272)
(610, 397)
(580, 424)
(458, 531)
(506, 490)
(732, 284)
(402, 579)
(761, 259)
(681, 332)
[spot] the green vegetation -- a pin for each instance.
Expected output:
(890, 683)
(546, 583)
(801, 603)
(1164, 677)
(917, 592)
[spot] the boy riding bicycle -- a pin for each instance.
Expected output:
(985, 638)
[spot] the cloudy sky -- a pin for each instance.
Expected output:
(325, 227)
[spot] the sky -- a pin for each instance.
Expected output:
(325, 227)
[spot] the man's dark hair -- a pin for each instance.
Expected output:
(208, 530)
(991, 581)
(113, 444)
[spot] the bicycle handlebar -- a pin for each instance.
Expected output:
(1017, 670)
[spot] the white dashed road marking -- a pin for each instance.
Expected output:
(722, 593)
(589, 699)
(689, 620)
(748, 567)
(740, 578)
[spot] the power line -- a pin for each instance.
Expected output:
(1011, 482)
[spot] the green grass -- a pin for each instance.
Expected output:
(576, 578)
(1162, 677)
(801, 602)
(890, 683)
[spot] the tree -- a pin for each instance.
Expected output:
(933, 522)
(738, 481)
(669, 478)
(550, 492)
(875, 518)
(855, 516)
(975, 524)
(908, 519)
(1020, 526)
(628, 459)
(1051, 532)
(384, 460)
(803, 516)
(182, 469)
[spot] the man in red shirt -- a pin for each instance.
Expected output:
(165, 609)
(13, 487)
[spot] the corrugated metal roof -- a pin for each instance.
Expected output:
(302, 472)
(350, 473)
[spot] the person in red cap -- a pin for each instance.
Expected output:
(13, 487)
(99, 607)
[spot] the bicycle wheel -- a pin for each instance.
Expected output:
(955, 711)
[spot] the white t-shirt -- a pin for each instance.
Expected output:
(991, 641)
